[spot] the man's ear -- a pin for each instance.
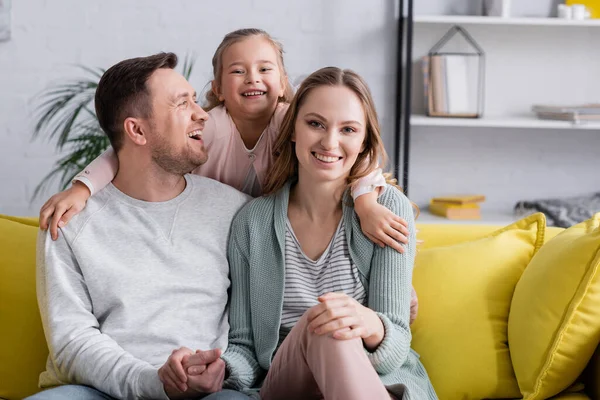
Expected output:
(216, 89)
(134, 131)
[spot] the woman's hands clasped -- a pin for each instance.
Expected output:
(344, 318)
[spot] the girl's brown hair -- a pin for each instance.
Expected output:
(212, 100)
(285, 165)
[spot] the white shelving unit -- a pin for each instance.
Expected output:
(477, 20)
(524, 121)
(495, 33)
(501, 122)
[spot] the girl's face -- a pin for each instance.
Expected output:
(329, 133)
(251, 81)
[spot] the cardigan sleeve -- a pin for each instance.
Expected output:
(240, 357)
(390, 286)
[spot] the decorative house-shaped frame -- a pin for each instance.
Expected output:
(456, 79)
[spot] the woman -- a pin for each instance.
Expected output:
(315, 304)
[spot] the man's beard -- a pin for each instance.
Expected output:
(181, 164)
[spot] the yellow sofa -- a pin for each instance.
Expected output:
(23, 349)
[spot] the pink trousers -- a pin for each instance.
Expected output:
(308, 366)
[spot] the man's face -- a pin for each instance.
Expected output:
(176, 123)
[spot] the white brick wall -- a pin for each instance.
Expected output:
(50, 36)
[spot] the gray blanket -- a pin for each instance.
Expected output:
(563, 212)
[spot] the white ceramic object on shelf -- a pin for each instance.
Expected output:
(564, 11)
(497, 8)
(579, 12)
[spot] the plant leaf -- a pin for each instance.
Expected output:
(188, 65)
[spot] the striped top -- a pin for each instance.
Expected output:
(307, 279)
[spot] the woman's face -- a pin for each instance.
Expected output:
(329, 133)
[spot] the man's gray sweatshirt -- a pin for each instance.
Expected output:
(129, 281)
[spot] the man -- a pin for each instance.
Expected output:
(142, 270)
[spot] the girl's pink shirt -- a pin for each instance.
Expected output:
(229, 161)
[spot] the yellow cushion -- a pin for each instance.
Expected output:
(465, 291)
(436, 235)
(32, 221)
(23, 348)
(554, 323)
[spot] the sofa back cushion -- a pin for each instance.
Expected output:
(437, 235)
(23, 349)
(465, 291)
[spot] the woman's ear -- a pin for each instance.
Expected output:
(135, 131)
(293, 138)
(216, 89)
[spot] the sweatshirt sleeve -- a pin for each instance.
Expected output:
(100, 172)
(390, 288)
(240, 356)
(79, 352)
(369, 183)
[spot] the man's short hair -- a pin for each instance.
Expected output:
(122, 93)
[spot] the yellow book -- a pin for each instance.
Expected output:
(455, 211)
(460, 199)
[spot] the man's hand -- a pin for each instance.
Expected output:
(206, 371)
(211, 380)
(172, 373)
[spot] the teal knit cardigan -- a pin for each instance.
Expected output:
(256, 255)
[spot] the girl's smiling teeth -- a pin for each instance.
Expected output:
(254, 93)
(196, 135)
(327, 159)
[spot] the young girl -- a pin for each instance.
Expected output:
(249, 97)
(314, 304)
